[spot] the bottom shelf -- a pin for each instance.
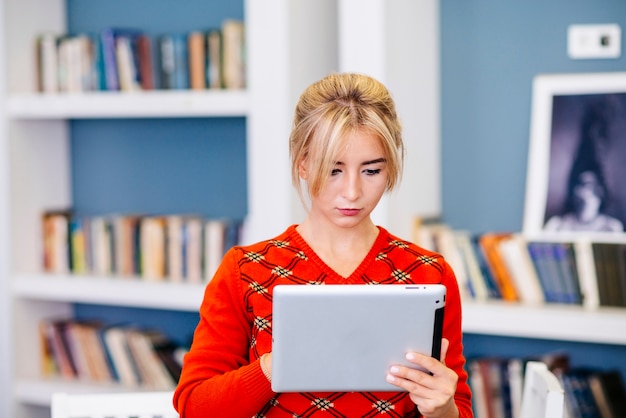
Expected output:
(39, 392)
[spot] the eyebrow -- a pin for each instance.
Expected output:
(376, 161)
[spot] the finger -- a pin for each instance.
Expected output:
(445, 343)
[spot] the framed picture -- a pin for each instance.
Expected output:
(576, 179)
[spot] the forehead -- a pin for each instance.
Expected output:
(360, 144)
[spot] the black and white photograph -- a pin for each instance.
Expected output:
(577, 155)
(586, 189)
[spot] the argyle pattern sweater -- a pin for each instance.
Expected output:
(222, 376)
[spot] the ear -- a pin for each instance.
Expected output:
(302, 170)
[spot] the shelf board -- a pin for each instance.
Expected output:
(110, 291)
(141, 104)
(552, 322)
(39, 391)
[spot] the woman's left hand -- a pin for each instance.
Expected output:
(432, 393)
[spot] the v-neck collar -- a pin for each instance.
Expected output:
(377, 246)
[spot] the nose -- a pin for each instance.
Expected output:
(351, 189)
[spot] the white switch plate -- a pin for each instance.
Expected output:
(594, 41)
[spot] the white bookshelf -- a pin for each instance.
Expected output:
(290, 44)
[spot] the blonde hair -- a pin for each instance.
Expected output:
(331, 109)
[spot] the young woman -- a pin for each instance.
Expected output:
(347, 150)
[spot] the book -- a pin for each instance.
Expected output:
(47, 63)
(608, 392)
(127, 64)
(522, 270)
(621, 270)
(498, 397)
(446, 245)
(166, 61)
(180, 75)
(215, 242)
(233, 54)
(108, 37)
(152, 243)
(478, 386)
(121, 358)
(85, 60)
(490, 282)
(197, 60)
(579, 399)
(607, 258)
(566, 262)
(585, 265)
(101, 245)
(489, 243)
(424, 233)
(61, 347)
(125, 240)
(540, 254)
(515, 367)
(214, 59)
(476, 279)
(153, 373)
(78, 350)
(192, 241)
(78, 245)
(56, 247)
(95, 350)
(50, 366)
(174, 244)
(168, 352)
(145, 62)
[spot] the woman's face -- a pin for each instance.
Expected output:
(587, 194)
(356, 184)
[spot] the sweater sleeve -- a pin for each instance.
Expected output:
(218, 378)
(455, 359)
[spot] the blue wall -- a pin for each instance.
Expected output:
(490, 52)
(160, 17)
(160, 166)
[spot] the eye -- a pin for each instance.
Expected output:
(372, 171)
(335, 171)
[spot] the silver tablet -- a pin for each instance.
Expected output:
(341, 338)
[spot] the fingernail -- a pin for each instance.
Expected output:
(390, 378)
(410, 356)
(394, 369)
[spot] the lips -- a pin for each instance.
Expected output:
(349, 212)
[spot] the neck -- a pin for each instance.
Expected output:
(336, 238)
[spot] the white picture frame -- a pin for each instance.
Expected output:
(562, 106)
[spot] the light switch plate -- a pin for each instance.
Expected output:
(594, 41)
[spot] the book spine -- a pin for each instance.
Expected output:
(109, 59)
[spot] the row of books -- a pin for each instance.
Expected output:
(497, 387)
(534, 270)
(120, 59)
(91, 352)
(173, 247)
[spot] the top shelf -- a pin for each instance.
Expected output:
(142, 104)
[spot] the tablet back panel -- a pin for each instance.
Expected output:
(339, 338)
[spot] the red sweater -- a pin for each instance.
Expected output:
(222, 376)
